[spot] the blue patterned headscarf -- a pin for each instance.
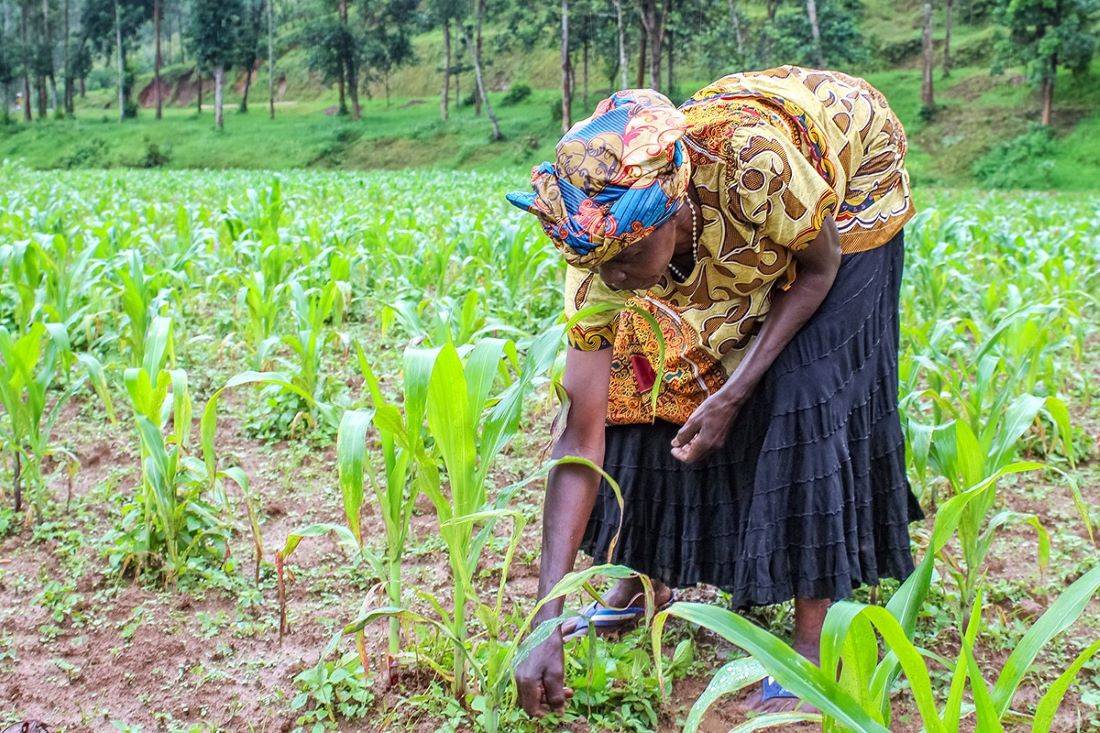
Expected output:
(617, 176)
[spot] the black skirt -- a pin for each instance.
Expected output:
(809, 498)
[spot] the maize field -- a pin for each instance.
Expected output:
(273, 448)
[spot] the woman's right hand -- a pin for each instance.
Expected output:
(540, 678)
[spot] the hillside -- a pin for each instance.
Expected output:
(979, 112)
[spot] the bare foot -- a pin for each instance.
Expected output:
(627, 592)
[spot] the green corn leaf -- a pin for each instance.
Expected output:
(775, 720)
(731, 678)
(989, 718)
(351, 450)
(343, 535)
(1052, 698)
(788, 667)
(1060, 616)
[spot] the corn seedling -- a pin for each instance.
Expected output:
(852, 686)
(30, 366)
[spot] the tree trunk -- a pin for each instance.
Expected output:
(353, 89)
(584, 68)
(566, 70)
(622, 43)
(1047, 91)
(47, 37)
(343, 105)
(640, 79)
(83, 87)
(219, 83)
(445, 93)
(247, 86)
(350, 71)
(198, 72)
(738, 33)
(481, 90)
(815, 33)
(480, 14)
(67, 62)
(157, 58)
(27, 117)
(179, 29)
(121, 65)
(40, 91)
(671, 83)
(653, 14)
(927, 98)
(271, 58)
(766, 44)
(950, 4)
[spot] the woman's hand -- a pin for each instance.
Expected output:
(540, 678)
(707, 427)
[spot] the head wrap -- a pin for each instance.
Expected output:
(617, 176)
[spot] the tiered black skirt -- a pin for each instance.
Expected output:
(809, 498)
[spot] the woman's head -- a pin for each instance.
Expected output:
(617, 179)
(641, 265)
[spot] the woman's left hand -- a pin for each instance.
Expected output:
(707, 427)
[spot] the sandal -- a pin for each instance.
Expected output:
(770, 689)
(605, 618)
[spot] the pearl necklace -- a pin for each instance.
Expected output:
(676, 272)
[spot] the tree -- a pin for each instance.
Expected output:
(480, 79)
(815, 32)
(566, 71)
(271, 58)
(790, 40)
(652, 14)
(445, 13)
(215, 27)
(947, 22)
(620, 38)
(7, 64)
(1044, 35)
(387, 38)
(110, 27)
(927, 98)
(25, 54)
(248, 44)
(329, 43)
(157, 12)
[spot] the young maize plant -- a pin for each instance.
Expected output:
(31, 365)
(318, 314)
(852, 686)
(140, 298)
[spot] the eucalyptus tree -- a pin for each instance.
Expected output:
(215, 27)
(111, 27)
(1045, 35)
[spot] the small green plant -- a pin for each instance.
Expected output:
(330, 691)
(1022, 162)
(515, 94)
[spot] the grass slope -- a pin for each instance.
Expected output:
(978, 112)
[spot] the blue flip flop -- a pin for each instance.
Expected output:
(604, 618)
(770, 689)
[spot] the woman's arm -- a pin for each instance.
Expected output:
(818, 263)
(570, 494)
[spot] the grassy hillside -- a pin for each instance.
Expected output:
(983, 121)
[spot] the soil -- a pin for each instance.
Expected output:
(160, 657)
(182, 89)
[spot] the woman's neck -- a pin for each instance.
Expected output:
(685, 237)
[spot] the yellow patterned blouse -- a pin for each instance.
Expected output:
(773, 154)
